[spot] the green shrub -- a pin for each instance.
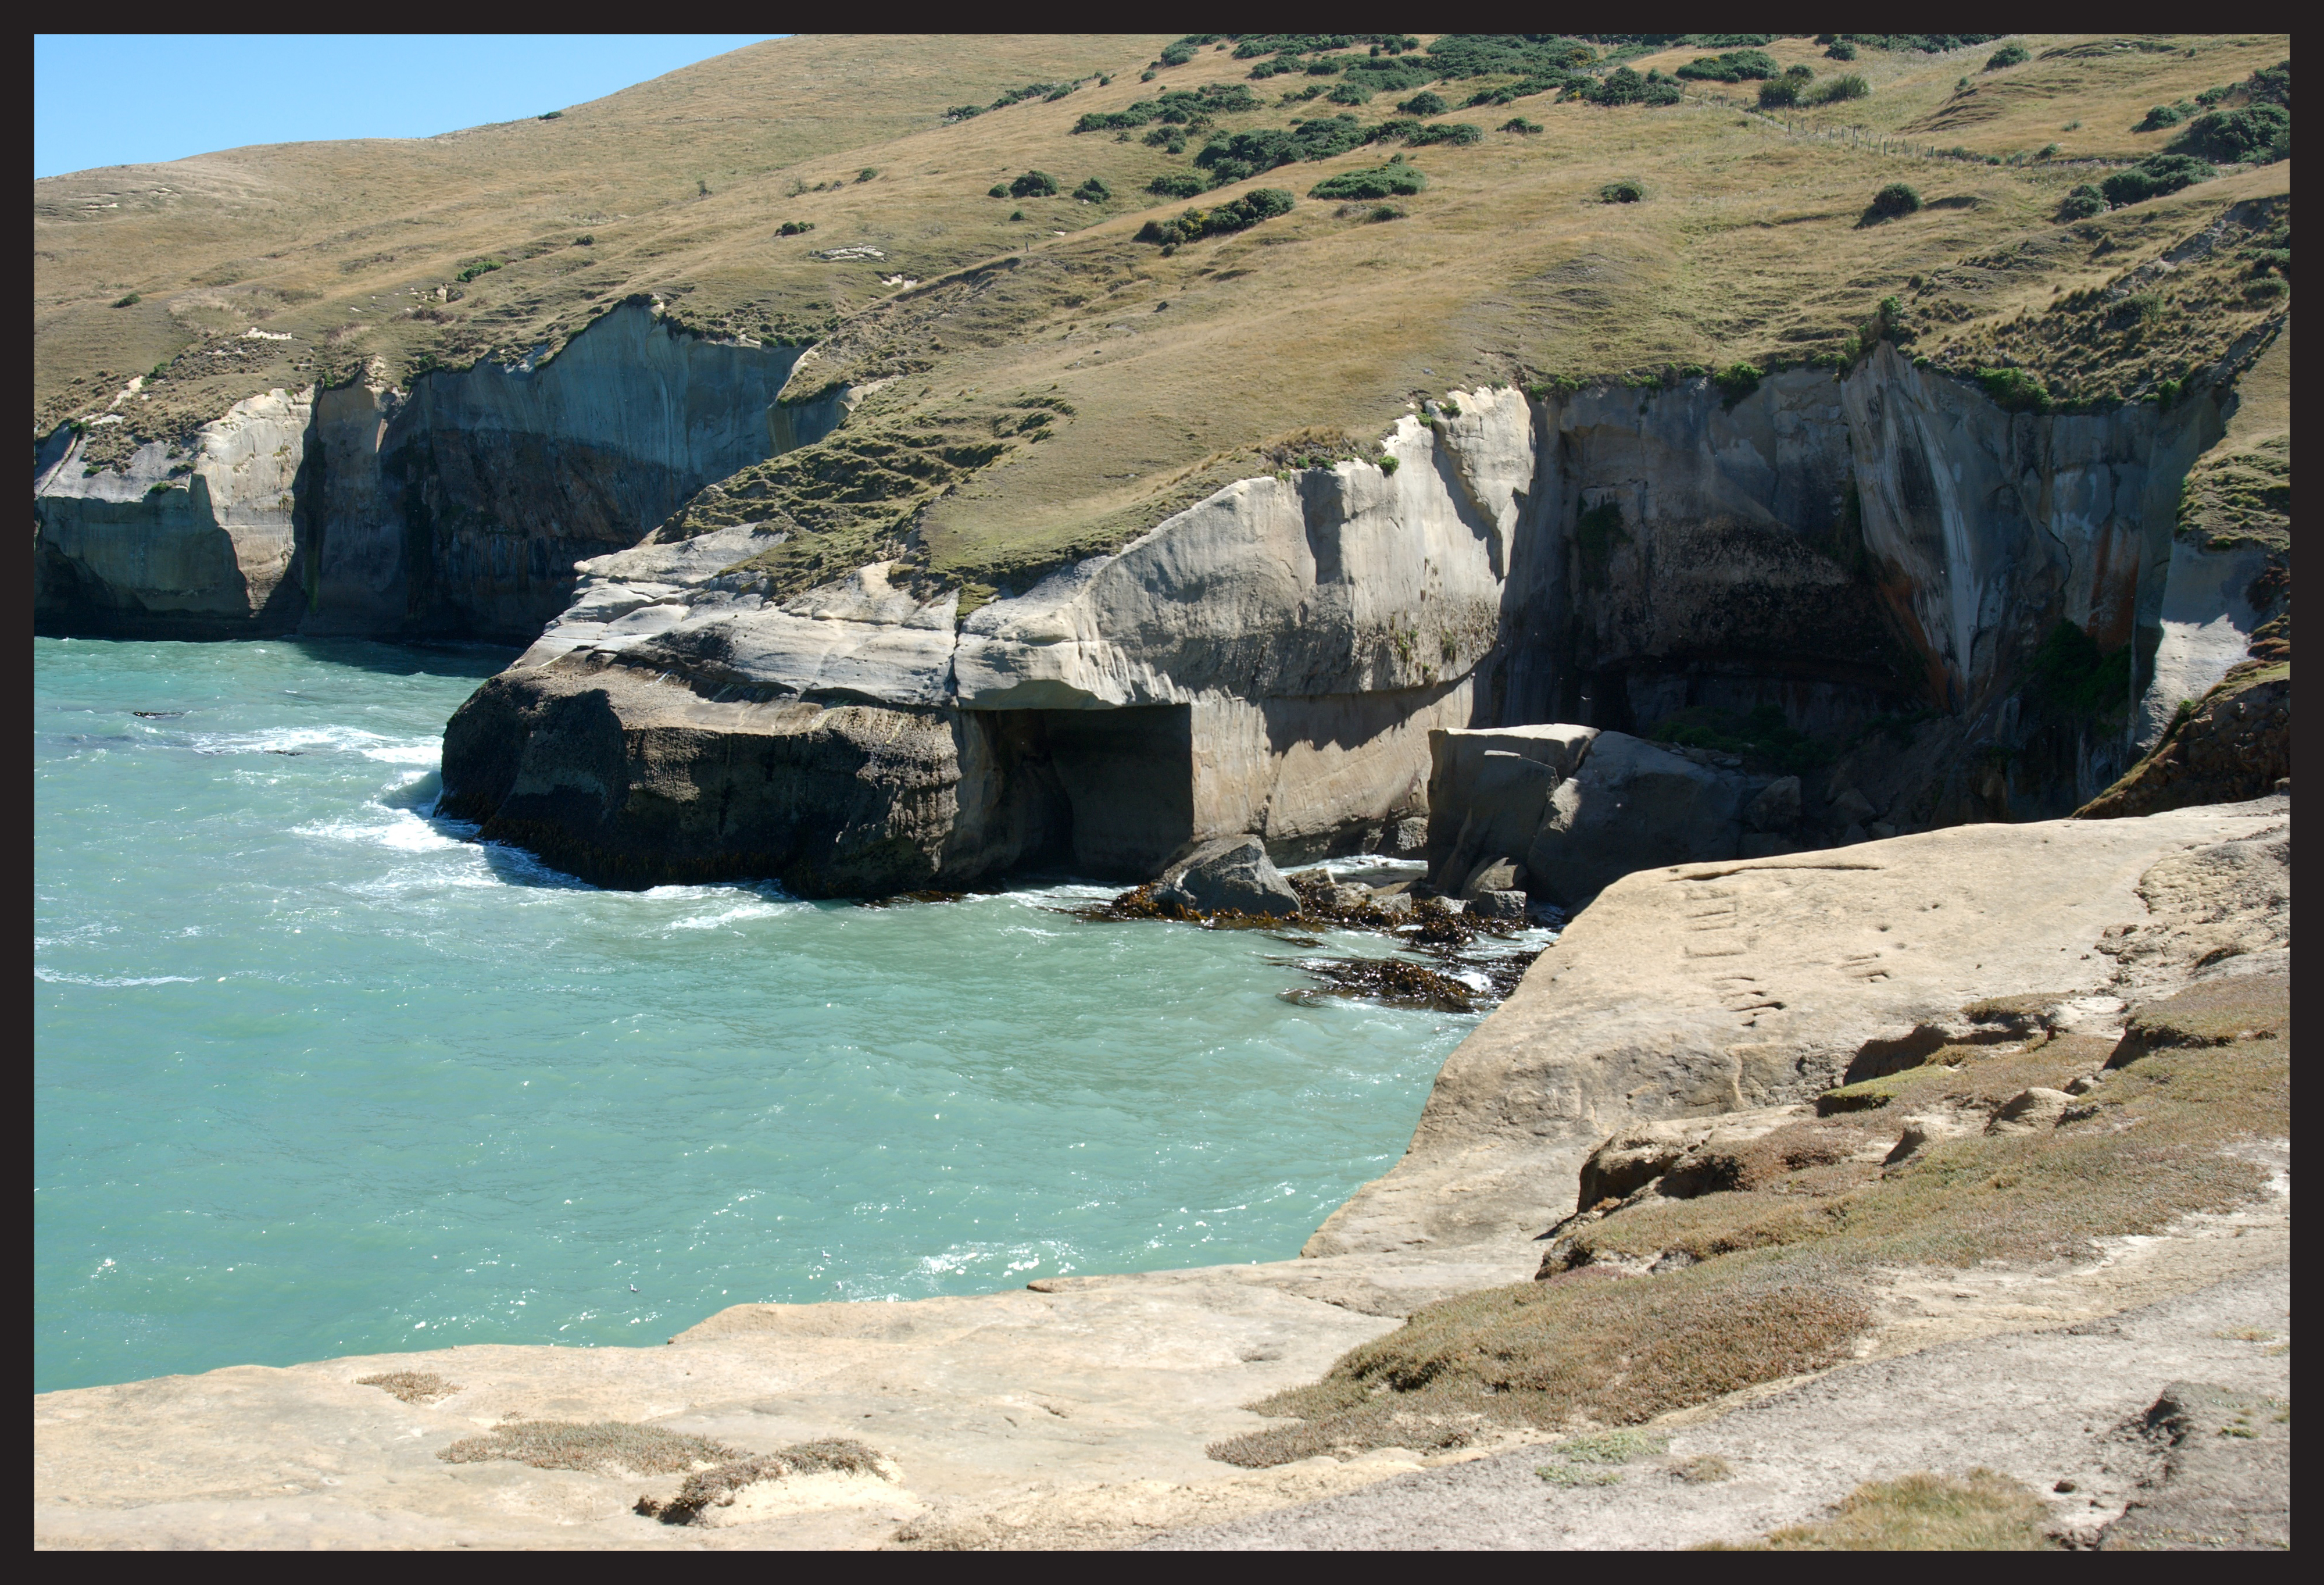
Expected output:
(1519, 124)
(1736, 381)
(1388, 464)
(1389, 180)
(1896, 199)
(1175, 107)
(1835, 89)
(1034, 184)
(132, 300)
(2072, 676)
(2008, 55)
(1779, 95)
(1841, 50)
(1176, 184)
(1623, 86)
(2232, 135)
(795, 229)
(998, 190)
(1732, 66)
(2014, 390)
(2154, 177)
(1350, 93)
(1093, 191)
(2160, 116)
(1625, 191)
(1427, 102)
(868, 173)
(1179, 53)
(1261, 203)
(480, 267)
(1231, 157)
(1456, 132)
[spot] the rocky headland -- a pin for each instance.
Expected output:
(1878, 664)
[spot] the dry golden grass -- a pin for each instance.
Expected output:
(1766, 1282)
(1981, 1511)
(411, 1387)
(603, 1445)
(1747, 247)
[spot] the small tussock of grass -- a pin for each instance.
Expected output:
(1703, 1469)
(599, 1446)
(1766, 1263)
(1597, 1460)
(717, 1487)
(1980, 1512)
(412, 1386)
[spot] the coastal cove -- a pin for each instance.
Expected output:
(316, 1074)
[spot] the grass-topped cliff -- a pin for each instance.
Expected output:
(1485, 216)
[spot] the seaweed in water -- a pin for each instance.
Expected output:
(1391, 980)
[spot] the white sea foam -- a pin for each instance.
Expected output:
(53, 978)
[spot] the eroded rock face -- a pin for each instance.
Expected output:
(198, 545)
(631, 780)
(1886, 548)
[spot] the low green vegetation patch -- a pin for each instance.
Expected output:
(1547, 1354)
(600, 1446)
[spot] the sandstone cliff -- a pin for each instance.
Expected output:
(1877, 563)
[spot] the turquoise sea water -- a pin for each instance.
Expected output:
(314, 1074)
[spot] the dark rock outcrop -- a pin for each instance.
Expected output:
(2235, 745)
(1230, 874)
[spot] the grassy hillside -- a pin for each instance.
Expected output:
(1158, 367)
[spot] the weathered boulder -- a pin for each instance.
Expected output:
(1632, 806)
(1494, 874)
(1777, 806)
(1503, 905)
(1230, 874)
(1488, 791)
(2030, 1111)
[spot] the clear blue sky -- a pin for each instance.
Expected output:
(127, 98)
